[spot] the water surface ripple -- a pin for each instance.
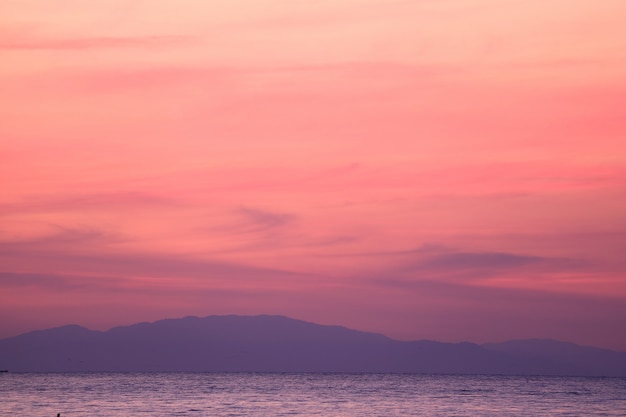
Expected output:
(339, 395)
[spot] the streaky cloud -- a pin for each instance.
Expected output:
(84, 43)
(264, 219)
(468, 260)
(85, 201)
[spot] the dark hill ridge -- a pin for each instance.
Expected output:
(281, 344)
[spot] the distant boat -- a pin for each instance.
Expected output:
(4, 370)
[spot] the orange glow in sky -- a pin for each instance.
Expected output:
(449, 170)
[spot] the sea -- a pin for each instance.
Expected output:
(302, 394)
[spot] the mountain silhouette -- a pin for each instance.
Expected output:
(280, 344)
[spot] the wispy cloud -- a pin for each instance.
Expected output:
(487, 260)
(263, 219)
(33, 43)
(85, 201)
(488, 264)
(11, 281)
(74, 250)
(57, 239)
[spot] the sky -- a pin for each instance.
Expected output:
(428, 169)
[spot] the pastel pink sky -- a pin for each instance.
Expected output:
(450, 170)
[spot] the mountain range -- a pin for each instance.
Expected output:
(280, 344)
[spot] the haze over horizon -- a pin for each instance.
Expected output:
(444, 170)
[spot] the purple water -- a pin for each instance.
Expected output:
(345, 395)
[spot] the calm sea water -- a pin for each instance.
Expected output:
(339, 395)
